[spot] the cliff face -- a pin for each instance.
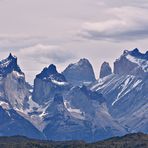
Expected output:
(79, 73)
(132, 63)
(14, 96)
(126, 90)
(105, 70)
(47, 84)
(13, 87)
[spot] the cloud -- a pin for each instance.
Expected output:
(126, 23)
(117, 3)
(34, 58)
(45, 53)
(15, 42)
(42, 33)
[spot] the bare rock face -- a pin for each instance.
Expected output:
(132, 63)
(79, 73)
(126, 90)
(14, 96)
(8, 65)
(16, 91)
(81, 114)
(105, 70)
(12, 124)
(48, 83)
(13, 87)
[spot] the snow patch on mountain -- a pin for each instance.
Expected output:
(4, 105)
(124, 89)
(141, 62)
(58, 82)
(76, 113)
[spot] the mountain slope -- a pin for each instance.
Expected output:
(126, 91)
(132, 63)
(47, 84)
(11, 123)
(14, 96)
(71, 112)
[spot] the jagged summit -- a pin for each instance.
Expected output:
(8, 65)
(47, 84)
(8, 60)
(132, 62)
(83, 61)
(79, 72)
(51, 73)
(136, 53)
(105, 70)
(48, 71)
(10, 56)
(52, 69)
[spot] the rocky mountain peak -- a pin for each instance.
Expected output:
(8, 65)
(52, 69)
(136, 54)
(47, 84)
(83, 61)
(51, 73)
(80, 72)
(11, 56)
(132, 62)
(105, 70)
(46, 72)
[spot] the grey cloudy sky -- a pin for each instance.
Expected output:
(41, 32)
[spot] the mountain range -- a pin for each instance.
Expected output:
(73, 104)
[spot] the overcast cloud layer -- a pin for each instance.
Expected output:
(41, 32)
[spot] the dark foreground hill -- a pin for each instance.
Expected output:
(138, 140)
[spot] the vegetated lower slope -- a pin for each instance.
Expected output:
(136, 140)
